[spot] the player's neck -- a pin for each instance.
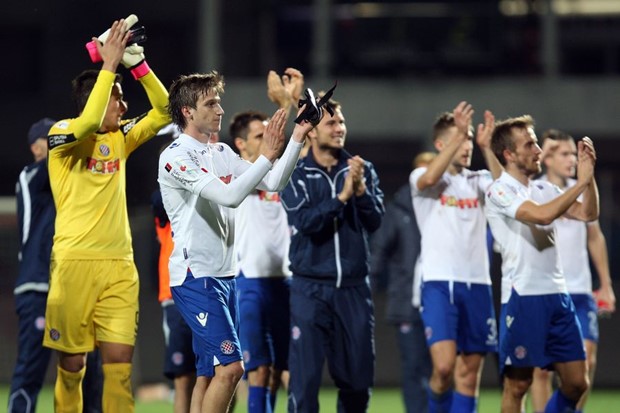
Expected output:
(326, 157)
(556, 179)
(518, 174)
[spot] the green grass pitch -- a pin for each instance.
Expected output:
(383, 400)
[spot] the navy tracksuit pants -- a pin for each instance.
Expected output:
(336, 324)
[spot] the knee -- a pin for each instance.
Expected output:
(71, 362)
(576, 388)
(443, 371)
(517, 388)
(231, 373)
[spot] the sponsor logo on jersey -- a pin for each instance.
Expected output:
(102, 167)
(104, 149)
(509, 320)
(168, 167)
(246, 356)
(461, 203)
(202, 318)
(173, 145)
(39, 323)
(226, 179)
(220, 148)
(227, 347)
(57, 140)
(268, 196)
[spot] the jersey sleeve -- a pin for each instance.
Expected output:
(70, 132)
(485, 179)
(144, 127)
(504, 199)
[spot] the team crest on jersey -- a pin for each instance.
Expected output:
(220, 148)
(54, 334)
(104, 149)
(227, 347)
(103, 167)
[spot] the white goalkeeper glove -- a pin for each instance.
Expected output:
(92, 47)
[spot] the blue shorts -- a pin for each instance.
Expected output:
(209, 307)
(179, 355)
(264, 321)
(587, 314)
(539, 330)
(463, 313)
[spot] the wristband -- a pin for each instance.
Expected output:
(140, 70)
(93, 52)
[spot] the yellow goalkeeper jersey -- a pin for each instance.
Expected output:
(87, 173)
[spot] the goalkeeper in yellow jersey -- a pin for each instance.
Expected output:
(93, 296)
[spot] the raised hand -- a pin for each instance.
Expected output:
(301, 129)
(273, 137)
(293, 81)
(463, 113)
(586, 159)
(485, 130)
(112, 50)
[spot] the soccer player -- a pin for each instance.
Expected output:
(262, 240)
(538, 327)
(35, 217)
(457, 305)
(200, 184)
(574, 240)
(93, 297)
(395, 249)
(333, 202)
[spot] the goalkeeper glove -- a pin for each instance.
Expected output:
(137, 37)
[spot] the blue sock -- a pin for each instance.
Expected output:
(463, 404)
(272, 400)
(558, 403)
(439, 403)
(258, 400)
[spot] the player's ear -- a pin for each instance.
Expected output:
(239, 143)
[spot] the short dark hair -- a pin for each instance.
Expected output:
(556, 135)
(241, 121)
(83, 85)
(502, 138)
(187, 89)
